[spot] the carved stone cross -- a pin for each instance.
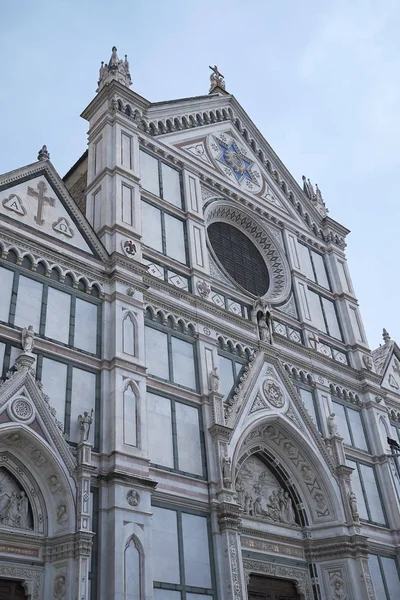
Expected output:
(42, 199)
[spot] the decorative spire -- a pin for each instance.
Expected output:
(315, 196)
(43, 154)
(386, 336)
(216, 80)
(116, 69)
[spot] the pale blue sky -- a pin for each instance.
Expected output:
(321, 81)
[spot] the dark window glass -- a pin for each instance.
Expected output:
(240, 257)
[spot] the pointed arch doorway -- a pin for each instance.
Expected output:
(11, 590)
(271, 588)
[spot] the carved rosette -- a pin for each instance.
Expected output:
(21, 410)
(273, 393)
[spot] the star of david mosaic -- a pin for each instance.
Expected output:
(235, 162)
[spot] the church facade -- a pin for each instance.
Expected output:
(189, 408)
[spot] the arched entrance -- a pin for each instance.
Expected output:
(11, 590)
(271, 588)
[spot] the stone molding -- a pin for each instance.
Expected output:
(118, 477)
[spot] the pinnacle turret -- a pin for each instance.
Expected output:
(386, 336)
(116, 69)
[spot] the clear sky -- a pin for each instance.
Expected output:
(321, 81)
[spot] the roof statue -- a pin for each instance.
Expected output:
(315, 196)
(116, 69)
(43, 153)
(216, 80)
(386, 336)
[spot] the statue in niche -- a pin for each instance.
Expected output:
(261, 314)
(214, 380)
(85, 422)
(14, 504)
(260, 494)
(332, 425)
(353, 505)
(227, 471)
(28, 339)
(240, 492)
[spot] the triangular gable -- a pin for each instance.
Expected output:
(176, 123)
(266, 389)
(23, 402)
(391, 376)
(35, 199)
(222, 150)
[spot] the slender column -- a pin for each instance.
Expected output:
(84, 535)
(233, 584)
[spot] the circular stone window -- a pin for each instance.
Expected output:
(239, 257)
(247, 250)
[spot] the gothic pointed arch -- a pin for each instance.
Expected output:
(133, 569)
(295, 465)
(38, 472)
(129, 334)
(131, 413)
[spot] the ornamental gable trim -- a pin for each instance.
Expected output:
(267, 390)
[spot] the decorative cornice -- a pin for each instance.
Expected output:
(229, 516)
(355, 546)
(127, 479)
(71, 545)
(53, 258)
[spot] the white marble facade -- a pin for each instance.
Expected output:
(198, 407)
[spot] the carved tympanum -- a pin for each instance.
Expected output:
(260, 494)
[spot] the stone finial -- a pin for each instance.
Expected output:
(216, 80)
(314, 195)
(116, 69)
(386, 336)
(43, 154)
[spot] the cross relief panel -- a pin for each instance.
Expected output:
(36, 204)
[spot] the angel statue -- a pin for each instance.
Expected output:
(85, 422)
(28, 339)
